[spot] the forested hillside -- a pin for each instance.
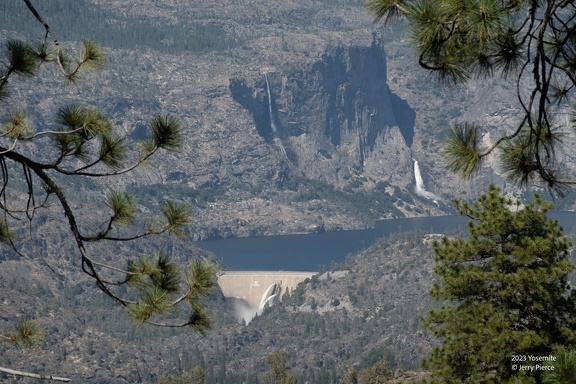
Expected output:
(365, 310)
(354, 315)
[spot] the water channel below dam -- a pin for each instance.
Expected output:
(308, 252)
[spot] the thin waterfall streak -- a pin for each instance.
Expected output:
(276, 137)
(272, 123)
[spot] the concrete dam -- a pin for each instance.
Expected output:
(251, 291)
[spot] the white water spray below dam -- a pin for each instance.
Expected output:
(273, 128)
(420, 189)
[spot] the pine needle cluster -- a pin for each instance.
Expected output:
(159, 284)
(27, 334)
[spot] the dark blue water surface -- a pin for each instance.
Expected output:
(308, 252)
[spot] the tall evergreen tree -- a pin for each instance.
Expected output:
(349, 377)
(37, 163)
(529, 42)
(196, 375)
(379, 373)
(505, 293)
(279, 373)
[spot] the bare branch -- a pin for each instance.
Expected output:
(48, 32)
(34, 375)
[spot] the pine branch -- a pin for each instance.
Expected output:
(178, 217)
(123, 206)
(87, 135)
(49, 31)
(92, 57)
(165, 133)
(532, 41)
(22, 57)
(387, 10)
(200, 280)
(87, 264)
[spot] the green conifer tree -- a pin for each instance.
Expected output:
(279, 373)
(379, 373)
(349, 377)
(504, 291)
(196, 375)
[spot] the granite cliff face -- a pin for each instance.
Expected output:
(334, 119)
(350, 106)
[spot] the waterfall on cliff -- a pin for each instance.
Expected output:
(274, 129)
(420, 189)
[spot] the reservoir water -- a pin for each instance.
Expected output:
(308, 252)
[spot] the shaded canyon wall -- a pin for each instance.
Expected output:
(335, 119)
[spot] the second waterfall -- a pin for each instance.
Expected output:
(273, 128)
(420, 189)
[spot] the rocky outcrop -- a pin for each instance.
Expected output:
(337, 114)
